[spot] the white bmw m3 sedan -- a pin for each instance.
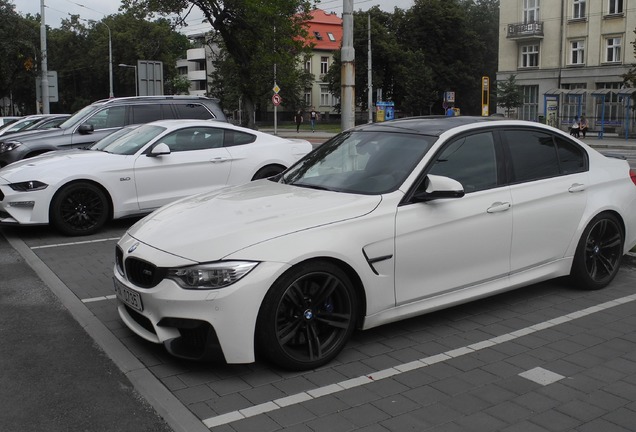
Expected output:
(383, 222)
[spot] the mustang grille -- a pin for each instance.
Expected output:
(143, 274)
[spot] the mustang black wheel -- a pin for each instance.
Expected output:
(599, 253)
(307, 316)
(79, 209)
(268, 171)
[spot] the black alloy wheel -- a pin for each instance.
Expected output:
(307, 317)
(268, 171)
(599, 253)
(79, 209)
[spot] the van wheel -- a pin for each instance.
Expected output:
(599, 253)
(79, 209)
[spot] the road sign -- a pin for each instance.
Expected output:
(276, 89)
(276, 99)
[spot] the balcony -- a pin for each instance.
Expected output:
(197, 75)
(525, 31)
(196, 54)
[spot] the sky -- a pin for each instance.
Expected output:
(56, 10)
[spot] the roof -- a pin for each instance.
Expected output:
(428, 125)
(325, 30)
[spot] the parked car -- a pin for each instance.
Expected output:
(104, 117)
(137, 170)
(8, 119)
(22, 123)
(383, 222)
(48, 122)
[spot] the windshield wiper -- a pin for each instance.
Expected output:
(310, 186)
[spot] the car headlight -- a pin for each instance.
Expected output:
(28, 186)
(211, 276)
(9, 145)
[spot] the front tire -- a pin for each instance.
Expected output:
(599, 253)
(79, 209)
(307, 317)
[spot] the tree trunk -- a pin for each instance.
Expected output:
(247, 119)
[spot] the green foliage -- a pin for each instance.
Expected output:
(435, 46)
(509, 95)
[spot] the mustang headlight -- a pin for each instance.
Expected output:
(212, 275)
(9, 145)
(28, 186)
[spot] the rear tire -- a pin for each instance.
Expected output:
(79, 209)
(599, 253)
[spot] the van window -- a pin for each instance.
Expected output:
(146, 113)
(112, 117)
(193, 111)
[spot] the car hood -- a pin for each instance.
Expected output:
(210, 226)
(28, 135)
(56, 164)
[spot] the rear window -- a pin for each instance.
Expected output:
(193, 111)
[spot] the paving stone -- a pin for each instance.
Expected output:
(386, 387)
(325, 405)
(294, 385)
(357, 396)
(560, 392)
(262, 394)
(228, 403)
(331, 423)
(416, 378)
(396, 405)
(437, 414)
(518, 385)
(195, 394)
(405, 423)
(291, 415)
(480, 422)
(493, 394)
(425, 395)
(466, 403)
(606, 400)
(478, 377)
(601, 425)
(509, 412)
(581, 410)
(465, 363)
(524, 426)
(259, 423)
(451, 386)
(365, 415)
(555, 421)
(622, 417)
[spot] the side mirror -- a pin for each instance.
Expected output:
(439, 187)
(159, 149)
(85, 129)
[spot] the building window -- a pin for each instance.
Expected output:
(318, 35)
(615, 7)
(308, 97)
(308, 64)
(613, 52)
(324, 65)
(530, 108)
(530, 11)
(577, 49)
(579, 9)
(331, 37)
(325, 96)
(530, 56)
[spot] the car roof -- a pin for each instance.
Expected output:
(137, 99)
(427, 125)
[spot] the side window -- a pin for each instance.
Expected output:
(572, 158)
(193, 111)
(194, 139)
(111, 117)
(234, 138)
(146, 113)
(532, 154)
(471, 160)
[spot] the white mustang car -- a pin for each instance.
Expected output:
(383, 222)
(137, 170)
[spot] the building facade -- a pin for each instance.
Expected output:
(568, 57)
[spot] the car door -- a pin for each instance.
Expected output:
(197, 162)
(549, 176)
(104, 122)
(449, 244)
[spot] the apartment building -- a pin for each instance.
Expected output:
(569, 56)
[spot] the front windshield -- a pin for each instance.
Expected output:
(361, 162)
(129, 140)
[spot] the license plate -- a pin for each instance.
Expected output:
(128, 296)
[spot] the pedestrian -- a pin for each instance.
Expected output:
(583, 125)
(574, 130)
(450, 112)
(313, 116)
(298, 118)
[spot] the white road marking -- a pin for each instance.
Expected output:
(74, 243)
(541, 376)
(96, 299)
(538, 374)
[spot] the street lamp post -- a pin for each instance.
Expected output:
(134, 67)
(110, 62)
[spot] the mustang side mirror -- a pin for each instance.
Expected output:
(439, 187)
(159, 149)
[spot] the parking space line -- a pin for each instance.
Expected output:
(265, 407)
(96, 299)
(74, 243)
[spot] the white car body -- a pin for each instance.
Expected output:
(138, 183)
(405, 259)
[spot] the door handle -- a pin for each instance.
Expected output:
(219, 160)
(576, 187)
(498, 207)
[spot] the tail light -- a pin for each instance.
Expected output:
(632, 174)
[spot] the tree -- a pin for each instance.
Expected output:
(509, 94)
(256, 35)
